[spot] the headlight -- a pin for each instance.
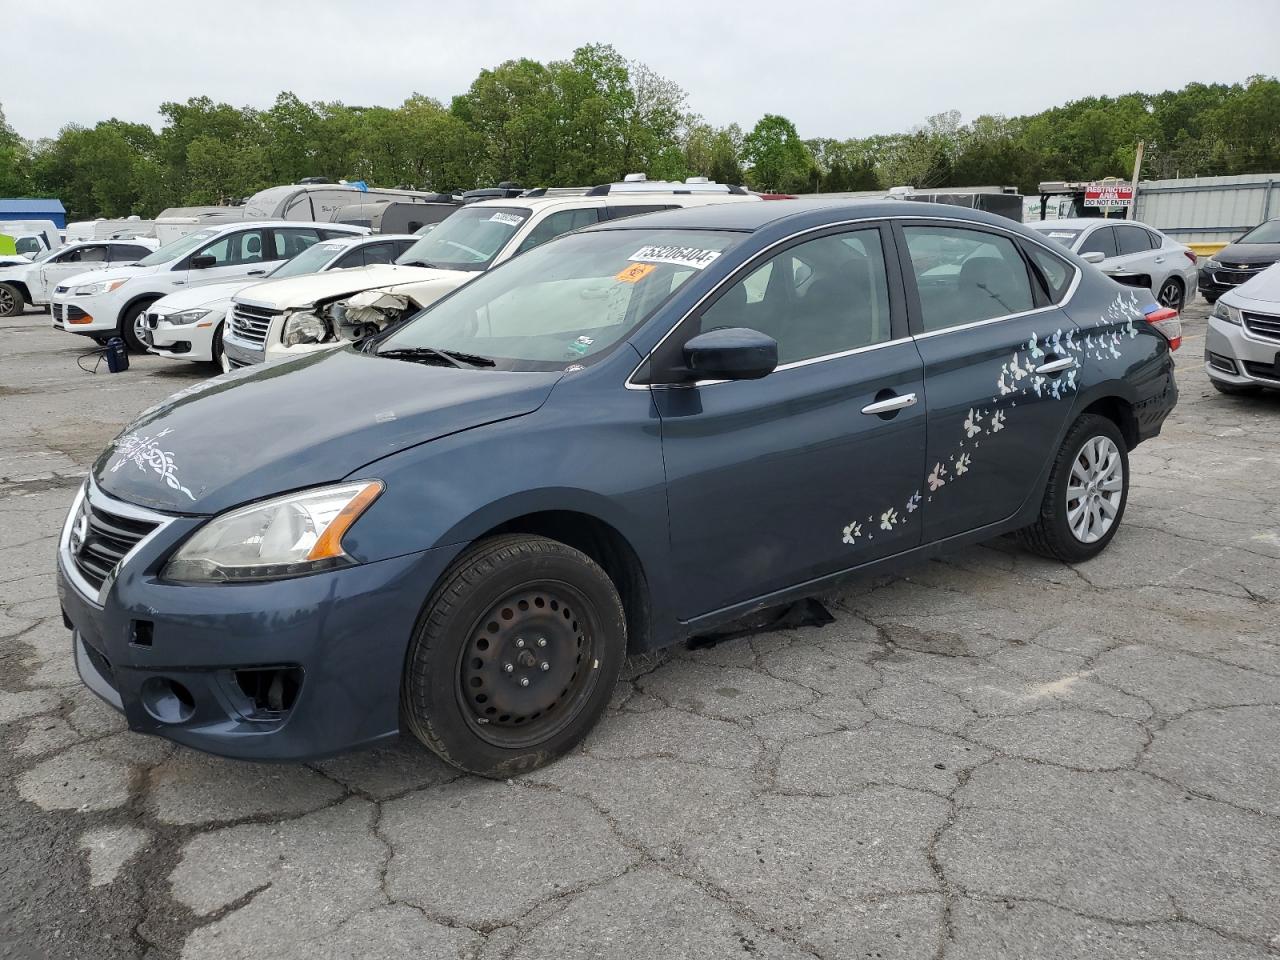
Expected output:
(102, 286)
(304, 327)
(1226, 313)
(185, 317)
(1212, 264)
(285, 537)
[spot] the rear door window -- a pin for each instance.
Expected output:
(1103, 241)
(288, 242)
(560, 222)
(127, 252)
(379, 253)
(1132, 240)
(965, 275)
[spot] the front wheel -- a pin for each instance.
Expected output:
(515, 656)
(11, 300)
(1085, 498)
(132, 327)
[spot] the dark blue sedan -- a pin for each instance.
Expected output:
(614, 442)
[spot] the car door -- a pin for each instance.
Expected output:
(815, 468)
(67, 263)
(999, 369)
(1137, 264)
(239, 253)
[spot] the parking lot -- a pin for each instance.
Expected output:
(989, 756)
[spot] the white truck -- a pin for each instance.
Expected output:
(321, 311)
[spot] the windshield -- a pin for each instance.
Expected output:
(565, 302)
(311, 260)
(1059, 235)
(43, 255)
(467, 239)
(1268, 232)
(179, 248)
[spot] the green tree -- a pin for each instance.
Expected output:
(15, 162)
(778, 159)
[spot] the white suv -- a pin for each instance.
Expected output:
(294, 316)
(32, 281)
(113, 302)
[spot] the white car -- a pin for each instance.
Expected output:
(188, 325)
(114, 302)
(32, 282)
(1131, 253)
(297, 316)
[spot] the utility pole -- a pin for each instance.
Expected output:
(1132, 212)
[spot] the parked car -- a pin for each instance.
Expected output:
(1240, 261)
(1242, 344)
(114, 302)
(188, 325)
(32, 282)
(610, 443)
(299, 317)
(28, 238)
(1131, 253)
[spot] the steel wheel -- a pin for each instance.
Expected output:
(1171, 295)
(527, 665)
(1095, 489)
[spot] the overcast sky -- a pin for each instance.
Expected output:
(836, 69)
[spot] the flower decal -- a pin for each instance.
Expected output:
(888, 519)
(852, 532)
(145, 452)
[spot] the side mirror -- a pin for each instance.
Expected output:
(202, 262)
(1093, 256)
(733, 353)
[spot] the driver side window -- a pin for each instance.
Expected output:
(562, 221)
(817, 298)
(233, 249)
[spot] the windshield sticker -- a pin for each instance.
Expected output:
(580, 346)
(145, 452)
(513, 219)
(1060, 235)
(635, 272)
(681, 256)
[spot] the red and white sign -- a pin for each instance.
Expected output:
(1108, 193)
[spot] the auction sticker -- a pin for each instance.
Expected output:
(681, 256)
(635, 272)
(514, 219)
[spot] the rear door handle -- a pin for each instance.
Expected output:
(890, 405)
(1053, 366)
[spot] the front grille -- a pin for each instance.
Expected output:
(1264, 371)
(1219, 362)
(108, 539)
(1238, 273)
(67, 314)
(55, 311)
(252, 323)
(1261, 325)
(153, 320)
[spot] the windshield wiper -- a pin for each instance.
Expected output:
(454, 358)
(420, 263)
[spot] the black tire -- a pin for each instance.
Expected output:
(1235, 389)
(126, 327)
(1172, 294)
(1210, 298)
(515, 656)
(216, 350)
(12, 302)
(1051, 534)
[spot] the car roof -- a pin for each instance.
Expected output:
(356, 239)
(1084, 223)
(801, 213)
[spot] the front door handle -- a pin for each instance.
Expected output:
(1159, 259)
(1056, 366)
(890, 405)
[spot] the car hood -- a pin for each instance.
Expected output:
(1264, 288)
(282, 426)
(201, 296)
(1250, 253)
(294, 292)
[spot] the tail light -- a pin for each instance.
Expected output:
(1168, 323)
(1190, 255)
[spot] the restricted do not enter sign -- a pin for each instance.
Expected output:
(1108, 193)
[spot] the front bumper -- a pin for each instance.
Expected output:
(82, 314)
(186, 341)
(238, 354)
(181, 661)
(1235, 356)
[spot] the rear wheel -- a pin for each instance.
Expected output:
(1172, 294)
(1085, 498)
(515, 657)
(11, 300)
(132, 324)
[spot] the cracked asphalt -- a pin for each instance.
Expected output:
(990, 756)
